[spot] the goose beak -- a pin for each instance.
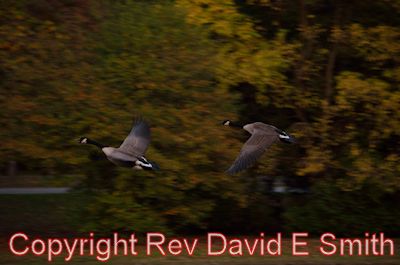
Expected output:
(291, 140)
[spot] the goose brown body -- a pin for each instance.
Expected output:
(262, 137)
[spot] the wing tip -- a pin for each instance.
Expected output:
(138, 119)
(230, 171)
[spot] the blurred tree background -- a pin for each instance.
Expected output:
(326, 71)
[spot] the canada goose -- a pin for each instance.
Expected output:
(131, 151)
(262, 136)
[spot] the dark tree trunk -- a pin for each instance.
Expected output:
(330, 67)
(330, 72)
(304, 55)
(12, 168)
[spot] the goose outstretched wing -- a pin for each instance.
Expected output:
(252, 150)
(138, 140)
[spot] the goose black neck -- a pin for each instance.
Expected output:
(236, 124)
(99, 145)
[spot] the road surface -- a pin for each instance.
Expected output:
(61, 190)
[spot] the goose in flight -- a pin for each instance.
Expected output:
(262, 137)
(131, 152)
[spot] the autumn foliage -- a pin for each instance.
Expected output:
(325, 71)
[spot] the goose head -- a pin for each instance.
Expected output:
(83, 140)
(226, 122)
(232, 124)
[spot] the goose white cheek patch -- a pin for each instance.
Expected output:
(141, 164)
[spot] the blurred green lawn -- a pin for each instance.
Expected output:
(43, 214)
